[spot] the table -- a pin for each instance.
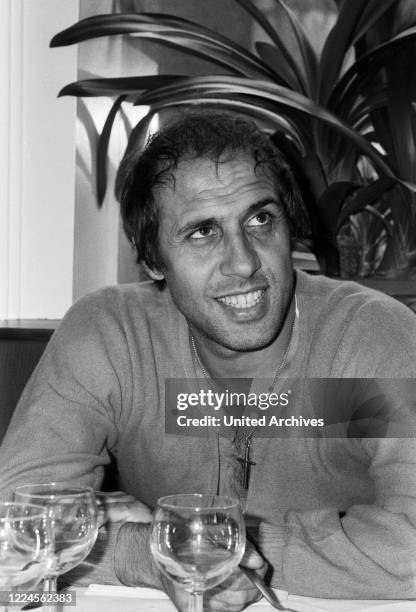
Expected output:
(100, 598)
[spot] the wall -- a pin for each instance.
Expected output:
(96, 231)
(37, 160)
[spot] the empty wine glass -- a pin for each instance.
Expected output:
(73, 514)
(25, 547)
(197, 541)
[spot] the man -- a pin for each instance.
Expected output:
(212, 208)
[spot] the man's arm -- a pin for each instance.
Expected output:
(68, 413)
(366, 552)
(123, 550)
(61, 429)
(66, 418)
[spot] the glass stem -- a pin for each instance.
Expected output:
(50, 586)
(196, 602)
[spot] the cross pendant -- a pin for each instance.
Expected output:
(247, 463)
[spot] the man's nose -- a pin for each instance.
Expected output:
(239, 258)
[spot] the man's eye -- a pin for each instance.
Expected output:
(262, 218)
(202, 232)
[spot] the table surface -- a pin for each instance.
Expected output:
(100, 598)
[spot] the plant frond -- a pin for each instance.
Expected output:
(205, 87)
(183, 34)
(102, 150)
(290, 40)
(117, 86)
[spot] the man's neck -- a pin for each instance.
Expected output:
(219, 362)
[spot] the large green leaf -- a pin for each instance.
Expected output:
(401, 111)
(191, 26)
(294, 37)
(188, 95)
(330, 205)
(353, 82)
(373, 10)
(135, 145)
(375, 233)
(354, 19)
(273, 57)
(285, 40)
(360, 78)
(249, 107)
(264, 114)
(187, 36)
(404, 15)
(204, 87)
(394, 124)
(307, 167)
(341, 160)
(336, 45)
(263, 22)
(324, 215)
(340, 156)
(382, 134)
(117, 86)
(102, 151)
(363, 197)
(365, 106)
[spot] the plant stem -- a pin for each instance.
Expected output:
(50, 586)
(196, 602)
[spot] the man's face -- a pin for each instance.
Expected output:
(225, 247)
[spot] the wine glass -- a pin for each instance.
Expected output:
(197, 541)
(25, 547)
(73, 514)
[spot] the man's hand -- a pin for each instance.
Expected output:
(232, 595)
(119, 506)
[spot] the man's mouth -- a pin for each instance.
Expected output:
(243, 300)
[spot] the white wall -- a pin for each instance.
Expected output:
(37, 160)
(99, 243)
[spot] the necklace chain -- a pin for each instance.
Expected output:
(246, 460)
(279, 368)
(196, 355)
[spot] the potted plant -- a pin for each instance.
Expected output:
(327, 115)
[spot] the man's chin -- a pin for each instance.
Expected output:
(245, 343)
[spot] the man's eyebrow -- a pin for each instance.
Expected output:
(195, 224)
(208, 221)
(261, 204)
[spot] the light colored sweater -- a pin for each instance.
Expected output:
(338, 516)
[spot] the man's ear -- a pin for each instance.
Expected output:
(153, 273)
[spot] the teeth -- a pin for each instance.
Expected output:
(243, 300)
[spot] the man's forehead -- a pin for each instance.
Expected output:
(204, 177)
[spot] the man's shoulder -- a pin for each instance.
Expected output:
(120, 309)
(353, 324)
(140, 297)
(330, 294)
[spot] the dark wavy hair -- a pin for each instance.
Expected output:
(206, 134)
